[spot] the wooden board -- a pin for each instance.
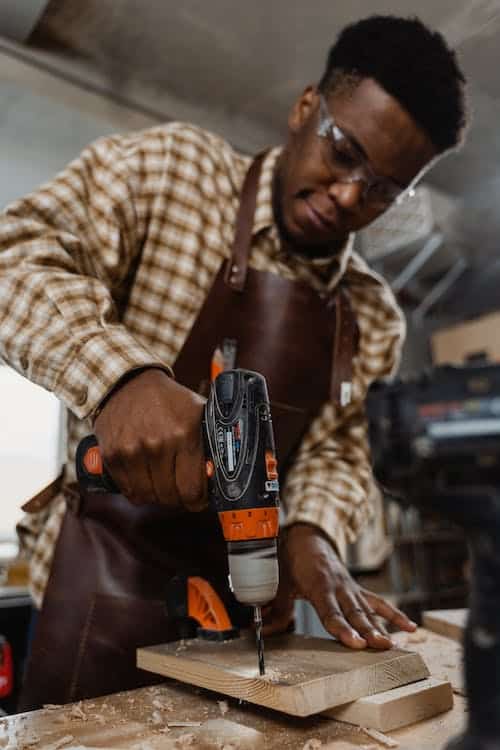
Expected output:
(443, 655)
(303, 675)
(448, 622)
(398, 707)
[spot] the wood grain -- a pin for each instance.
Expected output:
(448, 622)
(399, 707)
(303, 675)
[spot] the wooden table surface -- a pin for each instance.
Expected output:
(140, 719)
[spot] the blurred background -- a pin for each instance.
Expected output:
(72, 70)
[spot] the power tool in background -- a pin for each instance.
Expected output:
(436, 442)
(242, 484)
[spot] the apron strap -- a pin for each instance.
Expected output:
(344, 349)
(237, 265)
(42, 499)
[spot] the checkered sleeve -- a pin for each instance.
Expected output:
(64, 250)
(330, 480)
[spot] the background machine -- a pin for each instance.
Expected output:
(436, 443)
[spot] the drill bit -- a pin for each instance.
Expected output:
(257, 618)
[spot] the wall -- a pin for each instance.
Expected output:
(44, 123)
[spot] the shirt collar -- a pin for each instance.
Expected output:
(263, 218)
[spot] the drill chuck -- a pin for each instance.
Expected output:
(253, 570)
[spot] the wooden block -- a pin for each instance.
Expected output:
(303, 675)
(399, 707)
(448, 622)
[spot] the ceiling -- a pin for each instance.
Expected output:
(236, 67)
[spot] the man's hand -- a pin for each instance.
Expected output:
(149, 434)
(311, 569)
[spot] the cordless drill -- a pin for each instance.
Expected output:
(242, 484)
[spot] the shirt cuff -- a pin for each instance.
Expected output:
(98, 365)
(336, 534)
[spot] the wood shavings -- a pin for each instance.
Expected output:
(417, 637)
(52, 706)
(312, 744)
(77, 712)
(60, 743)
(272, 675)
(28, 741)
(163, 705)
(185, 740)
(172, 724)
(223, 707)
(382, 738)
(156, 718)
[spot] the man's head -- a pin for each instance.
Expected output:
(390, 101)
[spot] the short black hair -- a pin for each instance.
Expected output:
(412, 63)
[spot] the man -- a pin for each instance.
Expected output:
(114, 274)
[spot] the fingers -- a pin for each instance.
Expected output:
(335, 622)
(391, 614)
(362, 618)
(149, 431)
(129, 471)
(191, 478)
(278, 616)
(162, 473)
(278, 621)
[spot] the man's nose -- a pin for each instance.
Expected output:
(348, 195)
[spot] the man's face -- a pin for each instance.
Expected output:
(314, 203)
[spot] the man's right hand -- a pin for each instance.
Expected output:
(150, 437)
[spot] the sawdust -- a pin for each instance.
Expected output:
(58, 744)
(27, 741)
(223, 707)
(163, 705)
(313, 744)
(77, 712)
(417, 637)
(382, 738)
(156, 718)
(185, 740)
(52, 706)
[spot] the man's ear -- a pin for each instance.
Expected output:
(302, 109)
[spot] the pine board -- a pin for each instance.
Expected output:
(448, 622)
(399, 707)
(304, 676)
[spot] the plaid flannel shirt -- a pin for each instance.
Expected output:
(104, 269)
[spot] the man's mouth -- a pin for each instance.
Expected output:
(326, 223)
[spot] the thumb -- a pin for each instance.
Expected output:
(278, 616)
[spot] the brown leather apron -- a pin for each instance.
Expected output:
(106, 591)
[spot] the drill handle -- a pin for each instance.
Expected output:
(90, 470)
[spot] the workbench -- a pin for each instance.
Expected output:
(140, 719)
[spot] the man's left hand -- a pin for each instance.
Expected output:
(311, 569)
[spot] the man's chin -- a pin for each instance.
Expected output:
(314, 247)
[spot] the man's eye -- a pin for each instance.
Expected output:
(345, 156)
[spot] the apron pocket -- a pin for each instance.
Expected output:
(114, 628)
